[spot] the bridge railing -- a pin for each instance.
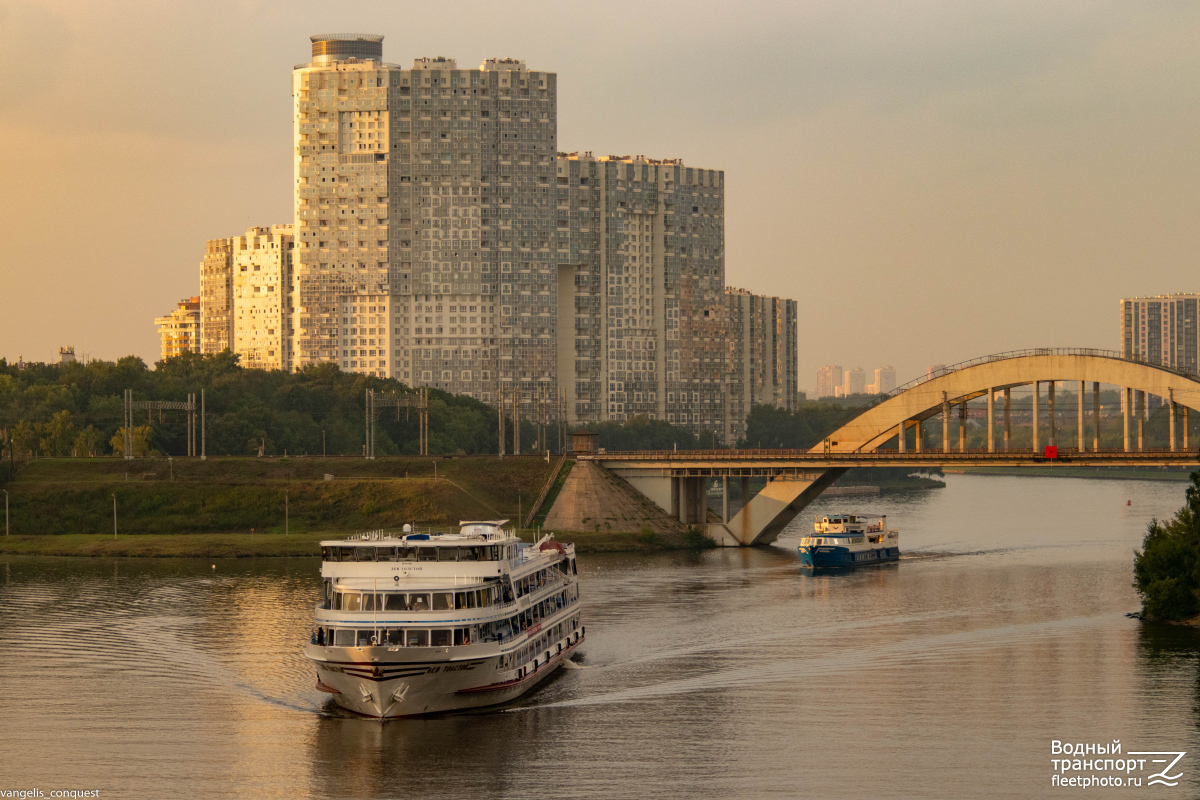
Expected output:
(1064, 453)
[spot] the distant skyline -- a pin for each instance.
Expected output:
(932, 181)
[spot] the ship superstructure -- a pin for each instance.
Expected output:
(419, 623)
(849, 540)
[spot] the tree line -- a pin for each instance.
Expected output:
(75, 409)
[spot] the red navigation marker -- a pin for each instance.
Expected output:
(1051, 451)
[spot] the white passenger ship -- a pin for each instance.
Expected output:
(849, 540)
(422, 623)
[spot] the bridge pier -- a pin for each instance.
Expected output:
(1171, 405)
(1037, 390)
(900, 437)
(1007, 417)
(1082, 389)
(1141, 418)
(1096, 416)
(991, 441)
(1054, 429)
(1127, 396)
(725, 499)
(761, 520)
(1185, 428)
(945, 423)
(919, 434)
(962, 426)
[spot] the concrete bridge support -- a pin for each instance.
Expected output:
(1037, 390)
(687, 499)
(1007, 418)
(762, 519)
(1050, 414)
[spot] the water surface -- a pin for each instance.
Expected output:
(727, 673)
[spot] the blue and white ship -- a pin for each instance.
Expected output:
(849, 540)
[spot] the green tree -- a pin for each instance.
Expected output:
(88, 442)
(1167, 569)
(58, 435)
(141, 437)
(24, 437)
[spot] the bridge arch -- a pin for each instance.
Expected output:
(915, 402)
(677, 481)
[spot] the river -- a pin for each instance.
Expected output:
(726, 673)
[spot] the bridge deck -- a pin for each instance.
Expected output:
(699, 463)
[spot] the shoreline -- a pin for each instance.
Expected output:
(1097, 473)
(294, 545)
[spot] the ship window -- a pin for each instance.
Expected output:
(448, 554)
(427, 554)
(385, 554)
(406, 554)
(395, 636)
(372, 602)
(482, 597)
(468, 554)
(459, 634)
(418, 638)
(364, 638)
(420, 602)
(470, 599)
(343, 637)
(352, 601)
(440, 638)
(395, 602)
(364, 553)
(460, 600)
(443, 601)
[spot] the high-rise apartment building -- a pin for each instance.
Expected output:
(216, 297)
(829, 378)
(179, 331)
(640, 247)
(885, 381)
(762, 354)
(431, 186)
(261, 305)
(1162, 330)
(855, 382)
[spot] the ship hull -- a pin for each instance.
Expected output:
(386, 684)
(832, 557)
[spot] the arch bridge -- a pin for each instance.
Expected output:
(889, 432)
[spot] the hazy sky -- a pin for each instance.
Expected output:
(932, 181)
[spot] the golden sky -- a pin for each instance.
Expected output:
(932, 181)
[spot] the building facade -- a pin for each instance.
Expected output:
(179, 331)
(1162, 330)
(431, 186)
(885, 381)
(829, 378)
(641, 270)
(216, 296)
(261, 298)
(761, 340)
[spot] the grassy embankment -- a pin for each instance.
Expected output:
(235, 507)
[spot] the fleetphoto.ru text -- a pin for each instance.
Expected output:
(1086, 766)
